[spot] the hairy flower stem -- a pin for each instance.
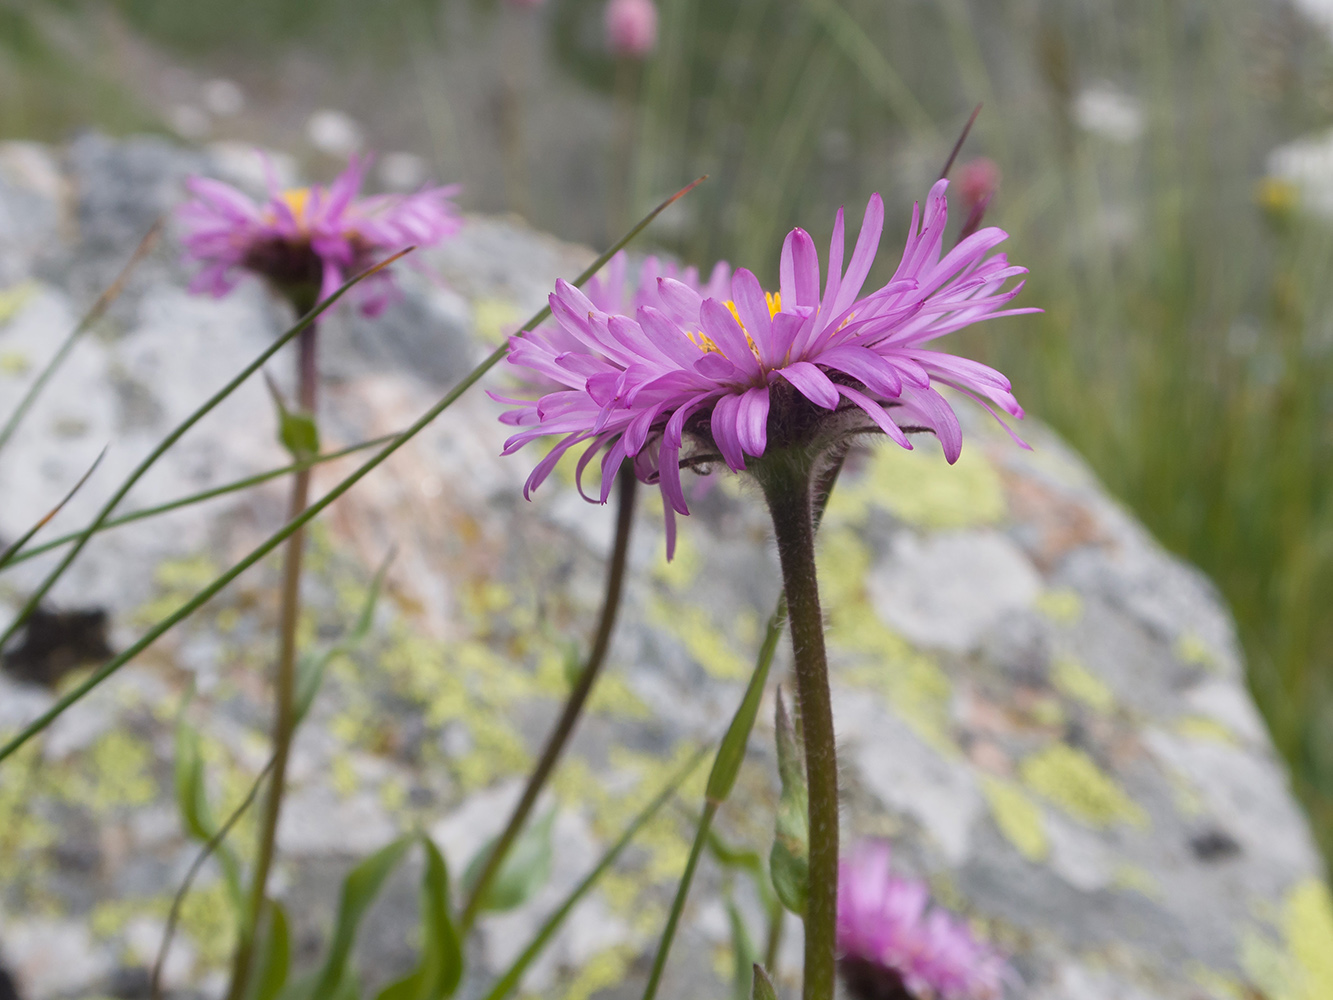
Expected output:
(284, 716)
(787, 484)
(578, 697)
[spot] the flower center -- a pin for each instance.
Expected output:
(297, 199)
(705, 343)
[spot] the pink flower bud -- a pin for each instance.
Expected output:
(631, 27)
(978, 181)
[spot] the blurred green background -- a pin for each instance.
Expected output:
(1187, 343)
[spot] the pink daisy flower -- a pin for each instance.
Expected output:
(891, 948)
(696, 379)
(308, 241)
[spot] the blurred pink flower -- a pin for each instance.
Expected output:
(799, 368)
(890, 948)
(631, 27)
(308, 241)
(979, 180)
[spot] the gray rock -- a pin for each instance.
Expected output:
(1041, 707)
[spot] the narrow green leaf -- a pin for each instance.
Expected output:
(731, 754)
(747, 860)
(442, 951)
(743, 951)
(191, 796)
(509, 981)
(313, 665)
(525, 869)
(274, 955)
(789, 861)
(23, 552)
(763, 986)
(359, 890)
(300, 436)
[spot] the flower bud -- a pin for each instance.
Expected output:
(631, 27)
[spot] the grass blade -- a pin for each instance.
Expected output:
(281, 535)
(98, 309)
(187, 501)
(175, 436)
(11, 554)
(510, 979)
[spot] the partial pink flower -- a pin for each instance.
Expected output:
(697, 378)
(308, 241)
(631, 27)
(892, 947)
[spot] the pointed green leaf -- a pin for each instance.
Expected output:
(191, 795)
(441, 967)
(732, 752)
(273, 960)
(523, 872)
(763, 986)
(359, 890)
(789, 861)
(299, 435)
(312, 667)
(742, 949)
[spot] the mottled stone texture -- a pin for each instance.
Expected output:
(1041, 708)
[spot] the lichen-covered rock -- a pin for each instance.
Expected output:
(1043, 710)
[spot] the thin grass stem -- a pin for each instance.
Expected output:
(626, 484)
(95, 313)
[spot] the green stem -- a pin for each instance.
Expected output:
(555, 745)
(678, 904)
(214, 842)
(509, 980)
(284, 721)
(786, 480)
(23, 553)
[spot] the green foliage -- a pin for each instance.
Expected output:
(743, 953)
(524, 870)
(789, 861)
(763, 986)
(334, 978)
(441, 967)
(196, 813)
(274, 956)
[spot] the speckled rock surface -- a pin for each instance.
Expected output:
(1041, 708)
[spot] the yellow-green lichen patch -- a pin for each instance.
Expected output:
(14, 298)
(1075, 681)
(14, 363)
(1190, 648)
(1299, 966)
(1073, 782)
(177, 580)
(683, 569)
(209, 919)
(1061, 605)
(1018, 818)
(1205, 729)
(605, 969)
(113, 773)
(494, 319)
(23, 833)
(727, 655)
(1132, 878)
(920, 487)
(110, 917)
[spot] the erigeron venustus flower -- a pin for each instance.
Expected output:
(699, 377)
(308, 241)
(891, 948)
